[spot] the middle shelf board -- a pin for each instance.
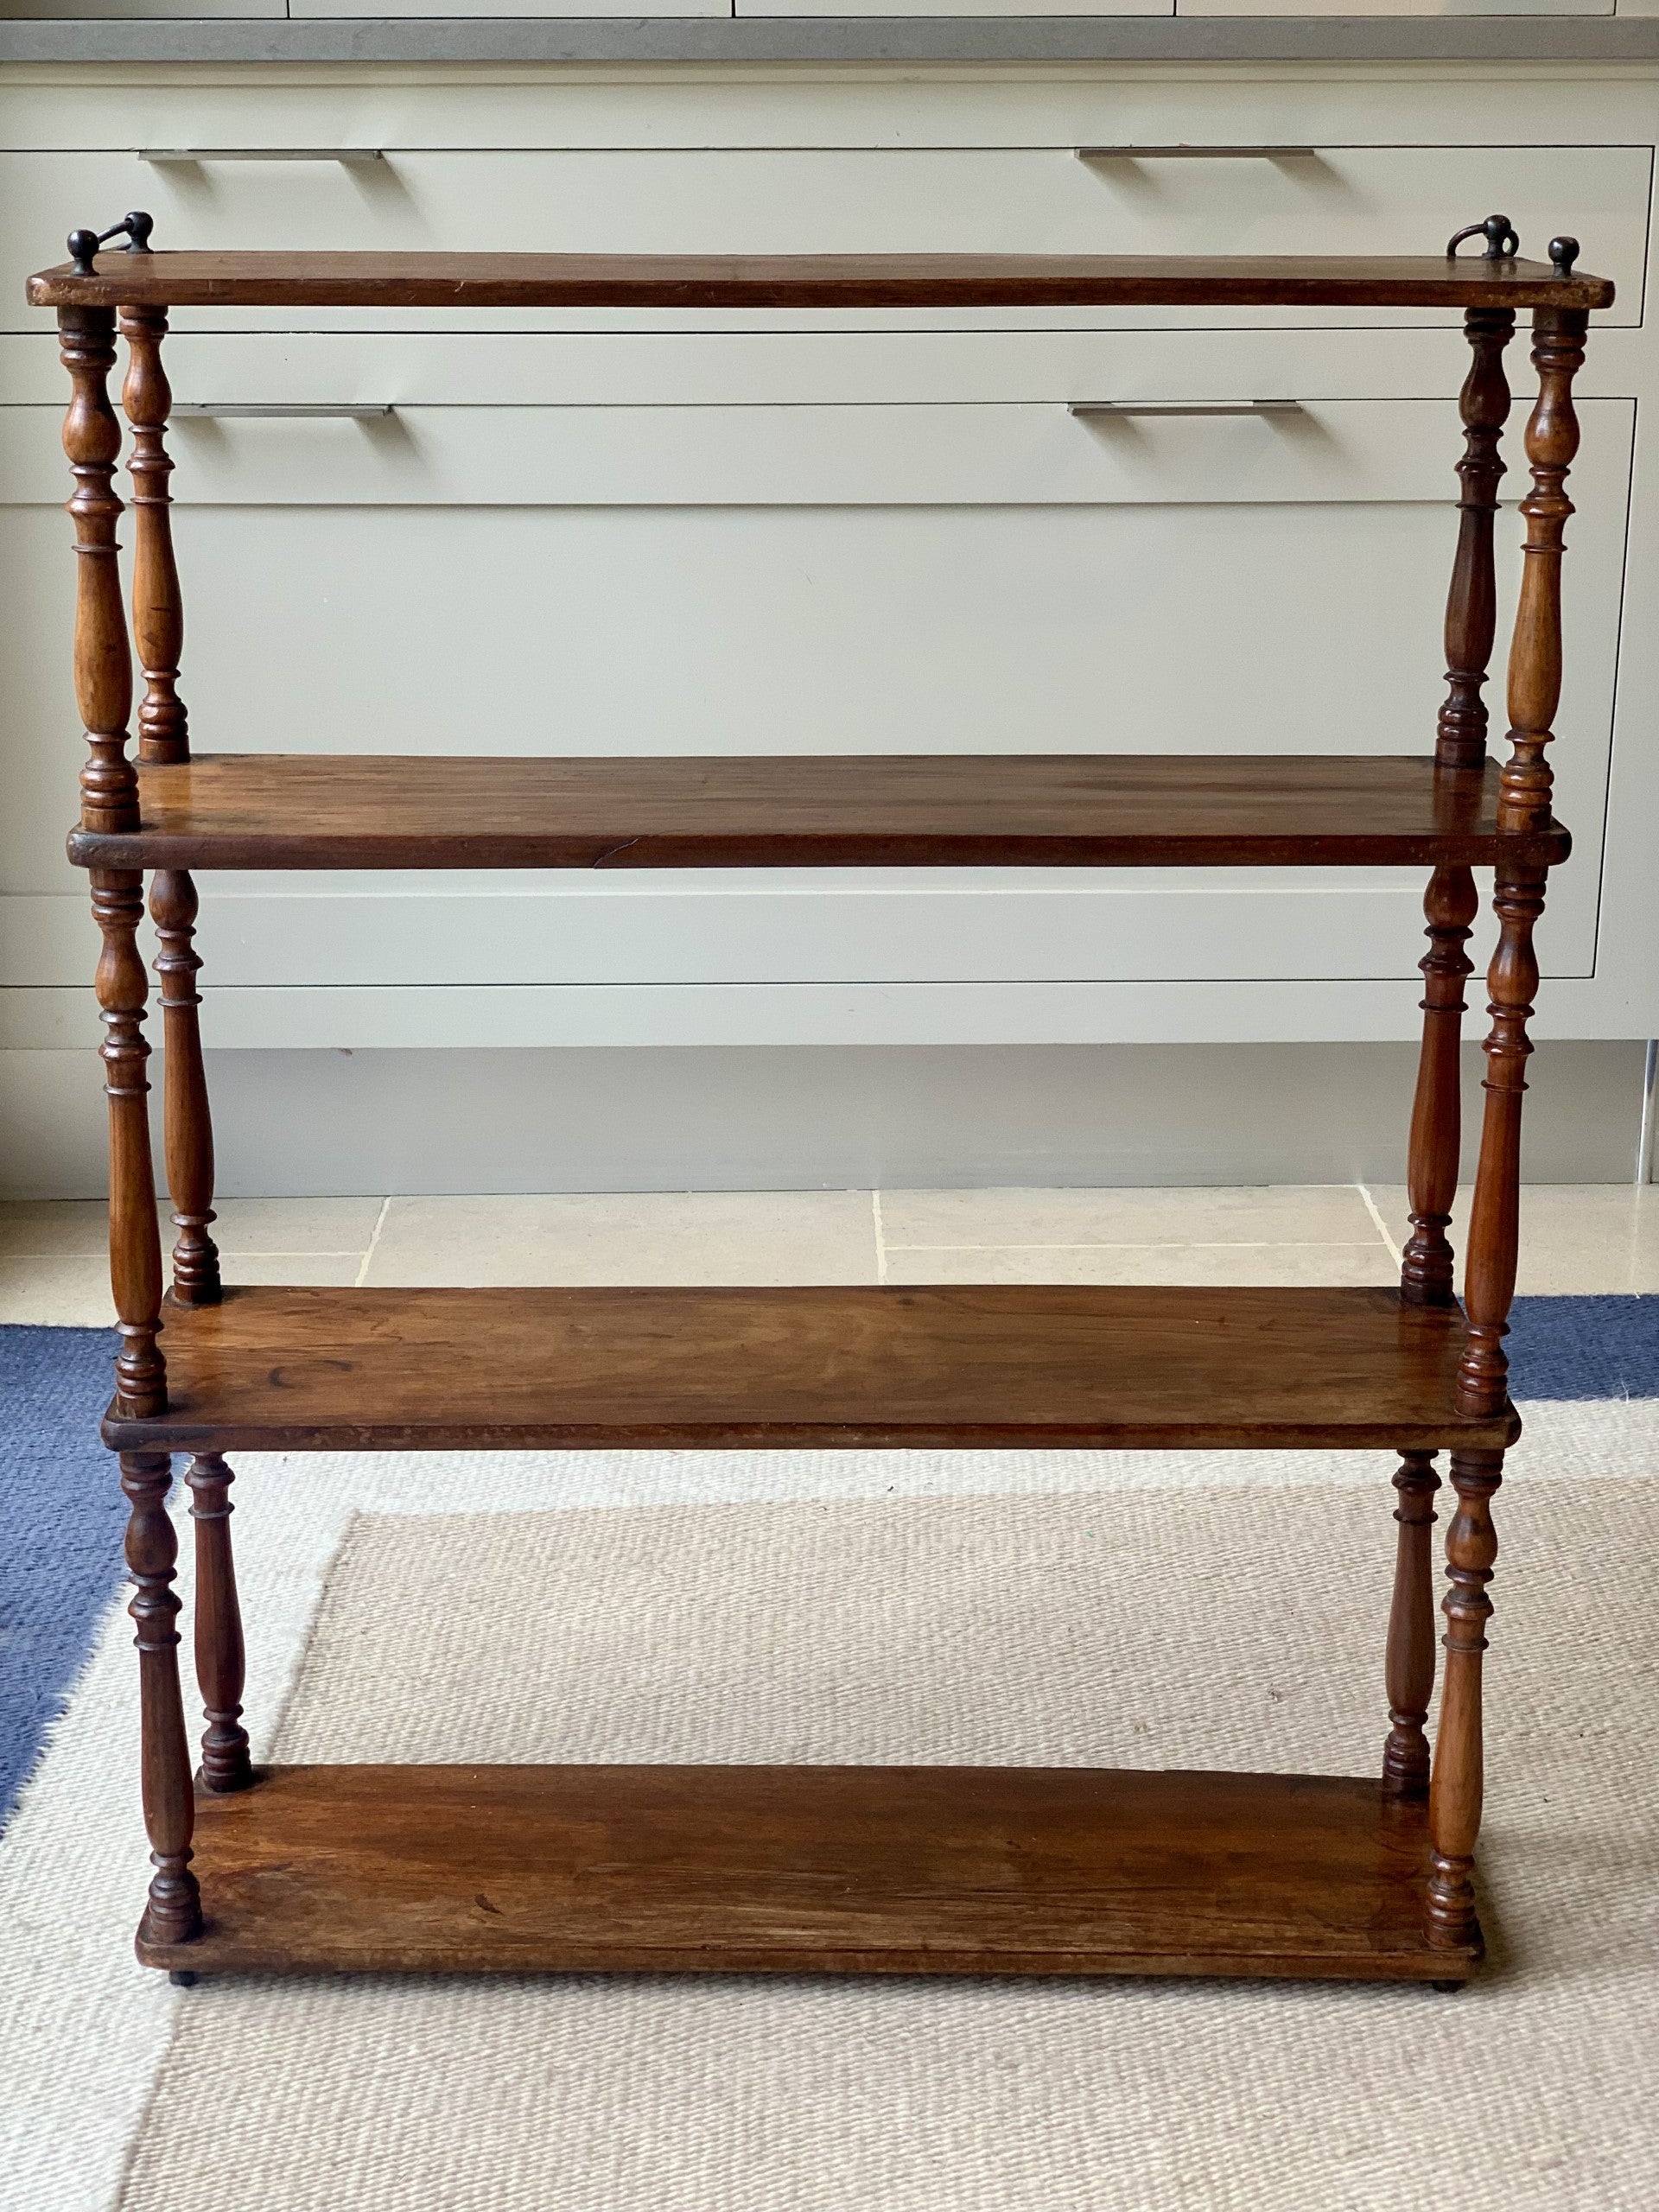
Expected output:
(971, 1367)
(1084, 810)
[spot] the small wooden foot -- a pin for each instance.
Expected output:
(180, 1980)
(1445, 1988)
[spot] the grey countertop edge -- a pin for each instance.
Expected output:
(903, 40)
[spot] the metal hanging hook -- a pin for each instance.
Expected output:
(1502, 239)
(84, 245)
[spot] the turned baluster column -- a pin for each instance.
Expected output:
(173, 906)
(158, 633)
(1427, 1269)
(1535, 688)
(1454, 1802)
(220, 1664)
(158, 605)
(1450, 903)
(1495, 1217)
(108, 801)
(135, 1240)
(92, 439)
(1410, 1668)
(1472, 603)
(174, 1912)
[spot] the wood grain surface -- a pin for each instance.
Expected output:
(865, 280)
(836, 1869)
(276, 810)
(977, 1366)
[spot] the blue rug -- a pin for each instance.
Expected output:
(67, 1515)
(66, 1519)
(1577, 1348)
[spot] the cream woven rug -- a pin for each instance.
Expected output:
(1166, 1626)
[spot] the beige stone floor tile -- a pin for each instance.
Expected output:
(1266, 1214)
(695, 1237)
(73, 1291)
(54, 1228)
(291, 1267)
(296, 1225)
(1392, 1202)
(1343, 1266)
(64, 1293)
(1576, 1238)
(79, 1228)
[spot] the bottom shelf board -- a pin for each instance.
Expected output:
(804, 1870)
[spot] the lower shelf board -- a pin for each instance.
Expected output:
(913, 1367)
(811, 1870)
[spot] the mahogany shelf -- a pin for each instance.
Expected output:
(828, 280)
(820, 1870)
(817, 1869)
(1085, 810)
(975, 1366)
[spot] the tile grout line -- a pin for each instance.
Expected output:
(374, 1238)
(1395, 1252)
(881, 1236)
(1152, 1244)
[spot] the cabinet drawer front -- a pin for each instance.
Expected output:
(871, 108)
(1231, 624)
(599, 369)
(1310, 452)
(1382, 8)
(810, 200)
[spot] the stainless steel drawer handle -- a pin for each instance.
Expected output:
(1195, 153)
(1084, 408)
(257, 411)
(161, 154)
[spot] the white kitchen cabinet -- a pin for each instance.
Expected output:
(1042, 198)
(894, 538)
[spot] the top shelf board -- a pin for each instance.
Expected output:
(1069, 810)
(122, 278)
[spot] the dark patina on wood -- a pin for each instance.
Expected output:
(811, 280)
(1020, 1871)
(813, 1870)
(975, 1366)
(1063, 809)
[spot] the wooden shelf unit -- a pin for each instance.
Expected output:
(898, 1870)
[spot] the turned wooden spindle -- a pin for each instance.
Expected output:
(188, 1124)
(1472, 603)
(135, 1240)
(174, 1912)
(158, 605)
(219, 1660)
(92, 439)
(1409, 1673)
(1535, 686)
(1426, 1271)
(1455, 1792)
(1495, 1216)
